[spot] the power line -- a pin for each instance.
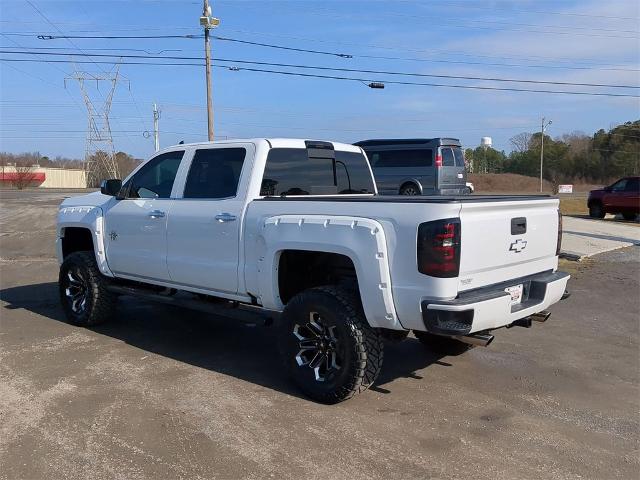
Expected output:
(268, 45)
(115, 37)
(615, 151)
(39, 12)
(340, 54)
(53, 64)
(586, 66)
(339, 69)
(543, 12)
(352, 79)
(398, 48)
(479, 24)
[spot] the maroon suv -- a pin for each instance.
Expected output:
(621, 197)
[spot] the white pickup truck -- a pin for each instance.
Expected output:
(295, 229)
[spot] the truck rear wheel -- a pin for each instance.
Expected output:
(441, 344)
(83, 291)
(596, 210)
(409, 189)
(327, 346)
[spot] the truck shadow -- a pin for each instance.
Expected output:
(243, 350)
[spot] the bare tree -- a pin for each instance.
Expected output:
(578, 142)
(521, 142)
(24, 176)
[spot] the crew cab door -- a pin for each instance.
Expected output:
(203, 236)
(622, 195)
(136, 226)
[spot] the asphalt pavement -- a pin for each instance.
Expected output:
(161, 392)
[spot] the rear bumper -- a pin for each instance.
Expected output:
(490, 307)
(457, 190)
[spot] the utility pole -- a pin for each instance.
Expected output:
(542, 148)
(156, 131)
(208, 22)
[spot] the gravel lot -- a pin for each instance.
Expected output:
(167, 393)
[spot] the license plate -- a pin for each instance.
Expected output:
(516, 294)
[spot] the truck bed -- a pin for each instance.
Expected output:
(408, 199)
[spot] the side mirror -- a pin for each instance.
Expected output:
(111, 187)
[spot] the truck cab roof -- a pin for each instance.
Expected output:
(438, 141)
(273, 143)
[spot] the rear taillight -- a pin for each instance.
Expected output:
(439, 248)
(559, 244)
(438, 160)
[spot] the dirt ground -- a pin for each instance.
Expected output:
(167, 393)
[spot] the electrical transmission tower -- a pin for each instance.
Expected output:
(99, 156)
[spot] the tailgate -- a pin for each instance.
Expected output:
(503, 240)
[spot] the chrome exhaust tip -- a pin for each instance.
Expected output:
(477, 339)
(542, 316)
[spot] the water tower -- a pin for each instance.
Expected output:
(485, 142)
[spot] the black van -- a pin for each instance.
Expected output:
(417, 166)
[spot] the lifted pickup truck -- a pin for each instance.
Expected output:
(295, 229)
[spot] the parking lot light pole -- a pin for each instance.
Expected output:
(542, 148)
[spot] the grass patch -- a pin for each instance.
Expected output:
(573, 206)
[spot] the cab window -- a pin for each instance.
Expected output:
(619, 186)
(633, 185)
(155, 179)
(215, 173)
(291, 171)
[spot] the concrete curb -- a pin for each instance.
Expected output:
(578, 257)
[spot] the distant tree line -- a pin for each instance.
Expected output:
(25, 163)
(574, 157)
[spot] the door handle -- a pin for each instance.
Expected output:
(225, 217)
(156, 214)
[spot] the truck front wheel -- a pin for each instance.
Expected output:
(596, 210)
(327, 346)
(83, 291)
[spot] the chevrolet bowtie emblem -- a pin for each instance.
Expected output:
(518, 246)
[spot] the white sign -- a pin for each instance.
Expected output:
(565, 188)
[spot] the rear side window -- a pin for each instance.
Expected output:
(290, 171)
(448, 159)
(408, 158)
(215, 173)
(155, 179)
(459, 156)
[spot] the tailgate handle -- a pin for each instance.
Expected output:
(518, 226)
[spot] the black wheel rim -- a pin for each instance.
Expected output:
(317, 347)
(76, 291)
(409, 191)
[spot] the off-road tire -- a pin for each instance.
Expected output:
(410, 189)
(441, 344)
(359, 348)
(596, 210)
(629, 216)
(99, 304)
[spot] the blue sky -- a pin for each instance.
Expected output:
(581, 41)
